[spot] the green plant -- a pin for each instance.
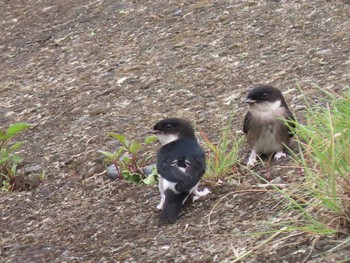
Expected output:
(222, 158)
(8, 157)
(325, 156)
(129, 160)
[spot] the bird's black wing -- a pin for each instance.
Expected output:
(183, 164)
(246, 122)
(194, 171)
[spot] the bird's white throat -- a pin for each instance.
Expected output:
(167, 138)
(266, 106)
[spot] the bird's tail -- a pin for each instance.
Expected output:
(172, 206)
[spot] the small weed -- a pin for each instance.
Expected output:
(129, 161)
(42, 176)
(222, 157)
(8, 157)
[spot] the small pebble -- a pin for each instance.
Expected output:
(33, 169)
(177, 12)
(112, 172)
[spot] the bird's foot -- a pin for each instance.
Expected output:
(252, 159)
(199, 194)
(251, 162)
(279, 155)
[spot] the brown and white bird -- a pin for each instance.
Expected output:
(180, 164)
(265, 129)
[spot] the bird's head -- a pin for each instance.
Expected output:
(172, 129)
(264, 98)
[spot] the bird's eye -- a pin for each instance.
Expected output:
(264, 95)
(168, 126)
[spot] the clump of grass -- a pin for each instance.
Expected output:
(325, 145)
(323, 198)
(222, 157)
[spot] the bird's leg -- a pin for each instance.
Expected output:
(267, 172)
(162, 200)
(252, 158)
(199, 194)
(279, 155)
(161, 191)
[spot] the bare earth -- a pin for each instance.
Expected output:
(79, 69)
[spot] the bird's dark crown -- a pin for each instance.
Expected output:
(174, 126)
(263, 93)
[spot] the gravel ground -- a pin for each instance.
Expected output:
(79, 69)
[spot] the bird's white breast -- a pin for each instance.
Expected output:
(267, 114)
(167, 138)
(267, 142)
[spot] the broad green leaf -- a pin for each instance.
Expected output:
(152, 178)
(149, 180)
(16, 146)
(134, 147)
(120, 137)
(16, 128)
(131, 177)
(149, 139)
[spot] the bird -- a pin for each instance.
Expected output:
(181, 164)
(264, 124)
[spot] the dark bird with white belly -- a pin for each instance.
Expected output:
(180, 164)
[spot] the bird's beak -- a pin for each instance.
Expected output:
(250, 101)
(153, 132)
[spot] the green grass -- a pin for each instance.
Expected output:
(222, 157)
(325, 156)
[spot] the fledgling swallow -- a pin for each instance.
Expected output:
(180, 164)
(263, 124)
